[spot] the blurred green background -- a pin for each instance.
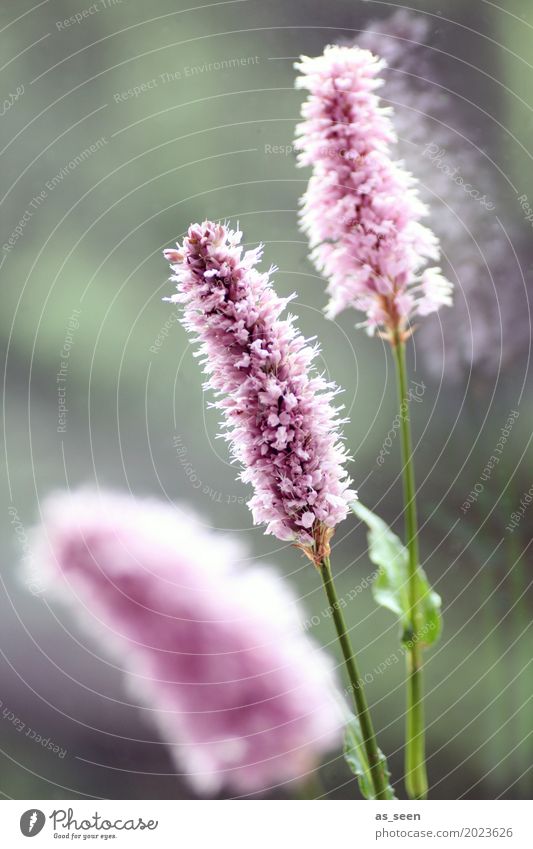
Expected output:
(87, 269)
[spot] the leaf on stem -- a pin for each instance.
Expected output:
(391, 587)
(355, 757)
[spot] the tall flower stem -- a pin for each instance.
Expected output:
(375, 759)
(415, 758)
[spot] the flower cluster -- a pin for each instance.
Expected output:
(279, 416)
(361, 210)
(213, 650)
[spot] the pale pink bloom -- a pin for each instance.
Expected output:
(212, 648)
(361, 211)
(280, 420)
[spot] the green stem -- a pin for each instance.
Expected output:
(415, 760)
(518, 578)
(375, 760)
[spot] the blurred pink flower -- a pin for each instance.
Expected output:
(281, 422)
(361, 210)
(215, 652)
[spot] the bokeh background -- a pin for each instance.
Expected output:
(87, 270)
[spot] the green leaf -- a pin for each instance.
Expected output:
(390, 588)
(355, 757)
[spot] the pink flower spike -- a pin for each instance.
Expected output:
(278, 412)
(361, 211)
(213, 649)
